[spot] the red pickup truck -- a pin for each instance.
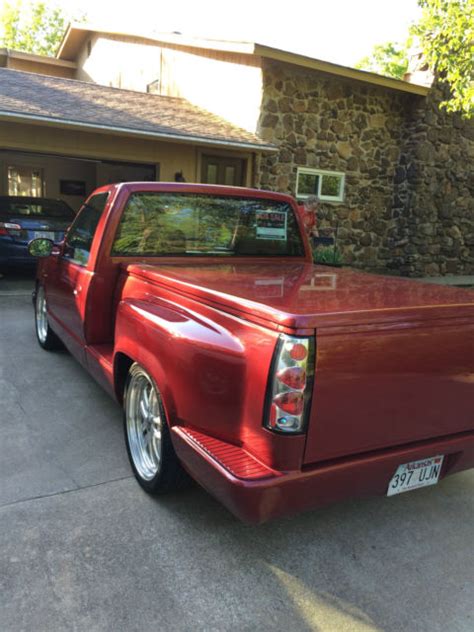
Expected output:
(277, 384)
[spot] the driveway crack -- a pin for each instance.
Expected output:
(63, 492)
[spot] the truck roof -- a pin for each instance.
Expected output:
(203, 189)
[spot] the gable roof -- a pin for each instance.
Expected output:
(76, 35)
(30, 97)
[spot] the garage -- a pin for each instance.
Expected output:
(65, 177)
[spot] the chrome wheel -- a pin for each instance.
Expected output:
(41, 316)
(144, 423)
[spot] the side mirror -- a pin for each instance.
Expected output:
(40, 247)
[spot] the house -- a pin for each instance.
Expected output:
(63, 137)
(393, 172)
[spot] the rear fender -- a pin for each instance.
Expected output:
(128, 342)
(211, 368)
(162, 337)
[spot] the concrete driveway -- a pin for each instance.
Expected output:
(83, 548)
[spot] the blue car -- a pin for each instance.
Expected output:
(25, 218)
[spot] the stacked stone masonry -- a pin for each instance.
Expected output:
(408, 206)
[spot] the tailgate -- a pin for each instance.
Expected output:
(386, 385)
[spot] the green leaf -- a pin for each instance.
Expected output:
(446, 34)
(388, 59)
(33, 27)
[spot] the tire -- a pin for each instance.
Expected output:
(46, 337)
(150, 450)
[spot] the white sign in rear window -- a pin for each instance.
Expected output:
(271, 225)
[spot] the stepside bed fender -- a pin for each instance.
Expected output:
(198, 365)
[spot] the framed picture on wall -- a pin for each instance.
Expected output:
(72, 187)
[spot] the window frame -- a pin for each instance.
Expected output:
(65, 254)
(321, 173)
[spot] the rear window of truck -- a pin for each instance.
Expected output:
(164, 224)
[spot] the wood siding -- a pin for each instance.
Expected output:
(226, 84)
(171, 157)
(26, 65)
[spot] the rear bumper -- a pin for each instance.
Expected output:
(268, 494)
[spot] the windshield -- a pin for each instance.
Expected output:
(158, 224)
(35, 207)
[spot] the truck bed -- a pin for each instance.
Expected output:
(306, 296)
(394, 357)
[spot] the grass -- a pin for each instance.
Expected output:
(327, 255)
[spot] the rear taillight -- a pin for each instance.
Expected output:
(290, 385)
(9, 229)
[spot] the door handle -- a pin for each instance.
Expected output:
(77, 290)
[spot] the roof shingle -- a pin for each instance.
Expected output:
(72, 101)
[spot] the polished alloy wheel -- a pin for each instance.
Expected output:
(41, 316)
(144, 423)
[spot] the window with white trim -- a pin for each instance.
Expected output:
(326, 185)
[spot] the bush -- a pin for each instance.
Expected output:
(327, 255)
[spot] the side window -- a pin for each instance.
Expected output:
(326, 185)
(79, 238)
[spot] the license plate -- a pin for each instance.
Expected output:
(415, 475)
(42, 234)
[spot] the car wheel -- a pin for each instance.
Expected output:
(46, 337)
(147, 436)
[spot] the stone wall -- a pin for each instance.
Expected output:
(434, 192)
(392, 147)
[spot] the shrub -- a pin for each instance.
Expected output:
(327, 255)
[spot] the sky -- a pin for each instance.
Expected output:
(340, 31)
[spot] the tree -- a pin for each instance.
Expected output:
(446, 33)
(33, 27)
(390, 59)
